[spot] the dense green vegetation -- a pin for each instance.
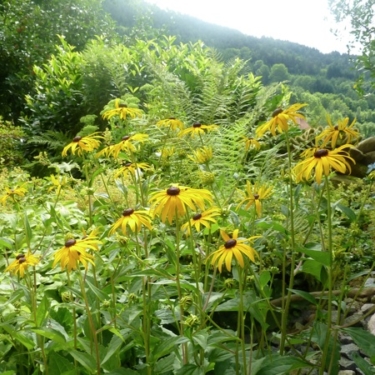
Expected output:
(158, 216)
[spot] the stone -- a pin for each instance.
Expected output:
(371, 324)
(366, 307)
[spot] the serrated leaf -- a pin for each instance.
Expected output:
(50, 334)
(113, 346)
(364, 339)
(86, 360)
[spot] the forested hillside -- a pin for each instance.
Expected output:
(324, 80)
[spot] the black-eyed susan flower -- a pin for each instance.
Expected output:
(12, 194)
(197, 129)
(322, 161)
(251, 143)
(202, 155)
(173, 202)
(132, 169)
(172, 123)
(132, 219)
(255, 194)
(122, 111)
(341, 133)
(83, 144)
(232, 247)
(280, 119)
(205, 219)
(128, 144)
(20, 264)
(75, 252)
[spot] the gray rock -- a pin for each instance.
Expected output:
(348, 348)
(371, 324)
(366, 307)
(346, 372)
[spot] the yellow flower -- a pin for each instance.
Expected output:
(58, 182)
(166, 152)
(197, 129)
(133, 219)
(171, 123)
(280, 119)
(20, 264)
(202, 155)
(12, 193)
(205, 218)
(232, 246)
(172, 202)
(340, 132)
(132, 169)
(80, 144)
(254, 195)
(251, 143)
(121, 110)
(322, 161)
(126, 144)
(74, 251)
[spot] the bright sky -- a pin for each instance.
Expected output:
(306, 22)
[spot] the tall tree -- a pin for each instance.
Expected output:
(360, 15)
(29, 31)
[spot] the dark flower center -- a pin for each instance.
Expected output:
(172, 118)
(77, 139)
(70, 242)
(125, 137)
(276, 112)
(197, 216)
(321, 153)
(336, 127)
(122, 105)
(127, 212)
(197, 125)
(19, 256)
(128, 164)
(230, 243)
(173, 190)
(21, 260)
(256, 196)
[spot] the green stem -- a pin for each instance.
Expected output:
(91, 323)
(241, 318)
(330, 279)
(286, 305)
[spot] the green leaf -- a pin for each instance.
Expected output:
(364, 339)
(165, 364)
(305, 295)
(347, 211)
(59, 364)
(279, 365)
(362, 364)
(167, 346)
(50, 334)
(42, 311)
(86, 360)
(200, 338)
(112, 348)
(101, 295)
(313, 267)
(264, 278)
(320, 256)
(4, 242)
(28, 231)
